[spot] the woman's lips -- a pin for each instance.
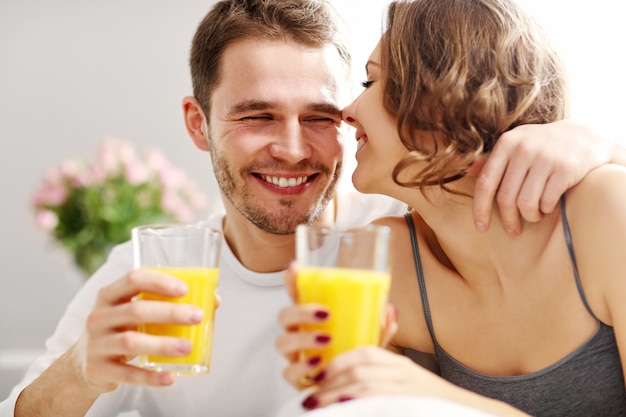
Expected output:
(360, 142)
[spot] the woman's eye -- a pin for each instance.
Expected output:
(366, 83)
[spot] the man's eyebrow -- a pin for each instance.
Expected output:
(260, 105)
(250, 105)
(328, 108)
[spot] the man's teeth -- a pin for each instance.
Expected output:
(284, 182)
(360, 143)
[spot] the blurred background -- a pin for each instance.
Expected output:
(73, 73)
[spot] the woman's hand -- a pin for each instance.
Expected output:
(302, 372)
(372, 371)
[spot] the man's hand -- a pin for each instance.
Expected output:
(98, 362)
(111, 338)
(529, 169)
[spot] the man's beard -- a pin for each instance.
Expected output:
(281, 222)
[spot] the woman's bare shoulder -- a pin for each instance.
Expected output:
(596, 213)
(601, 194)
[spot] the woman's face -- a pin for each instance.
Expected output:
(378, 144)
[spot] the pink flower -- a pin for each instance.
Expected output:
(112, 153)
(53, 176)
(70, 168)
(46, 220)
(155, 160)
(50, 195)
(119, 189)
(135, 172)
(171, 178)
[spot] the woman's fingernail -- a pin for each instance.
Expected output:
(315, 360)
(321, 314)
(345, 398)
(319, 377)
(309, 403)
(322, 338)
(480, 226)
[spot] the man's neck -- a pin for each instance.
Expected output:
(261, 251)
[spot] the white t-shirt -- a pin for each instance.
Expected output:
(246, 369)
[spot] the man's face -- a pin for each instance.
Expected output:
(274, 131)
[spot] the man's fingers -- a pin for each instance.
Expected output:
(131, 314)
(131, 343)
(555, 187)
(129, 374)
(486, 187)
(533, 191)
(141, 280)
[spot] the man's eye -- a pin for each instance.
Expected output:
(322, 120)
(260, 117)
(366, 83)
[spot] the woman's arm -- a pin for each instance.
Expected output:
(596, 211)
(372, 371)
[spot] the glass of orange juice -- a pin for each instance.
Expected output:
(190, 253)
(346, 271)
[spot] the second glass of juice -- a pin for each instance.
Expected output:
(191, 254)
(347, 272)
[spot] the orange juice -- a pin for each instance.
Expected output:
(356, 300)
(202, 284)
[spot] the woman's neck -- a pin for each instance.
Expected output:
(474, 255)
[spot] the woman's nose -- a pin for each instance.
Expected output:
(347, 114)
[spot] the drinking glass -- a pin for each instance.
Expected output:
(190, 253)
(346, 271)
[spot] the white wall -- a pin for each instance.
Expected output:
(73, 72)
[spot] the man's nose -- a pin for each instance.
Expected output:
(291, 145)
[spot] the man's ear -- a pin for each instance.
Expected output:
(196, 123)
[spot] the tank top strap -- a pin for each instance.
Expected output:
(420, 275)
(572, 255)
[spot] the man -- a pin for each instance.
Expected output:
(268, 82)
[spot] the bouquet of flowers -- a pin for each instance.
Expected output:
(90, 207)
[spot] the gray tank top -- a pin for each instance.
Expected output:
(587, 382)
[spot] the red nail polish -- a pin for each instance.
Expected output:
(321, 314)
(319, 377)
(309, 403)
(315, 360)
(322, 338)
(345, 398)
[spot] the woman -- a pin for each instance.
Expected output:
(534, 321)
